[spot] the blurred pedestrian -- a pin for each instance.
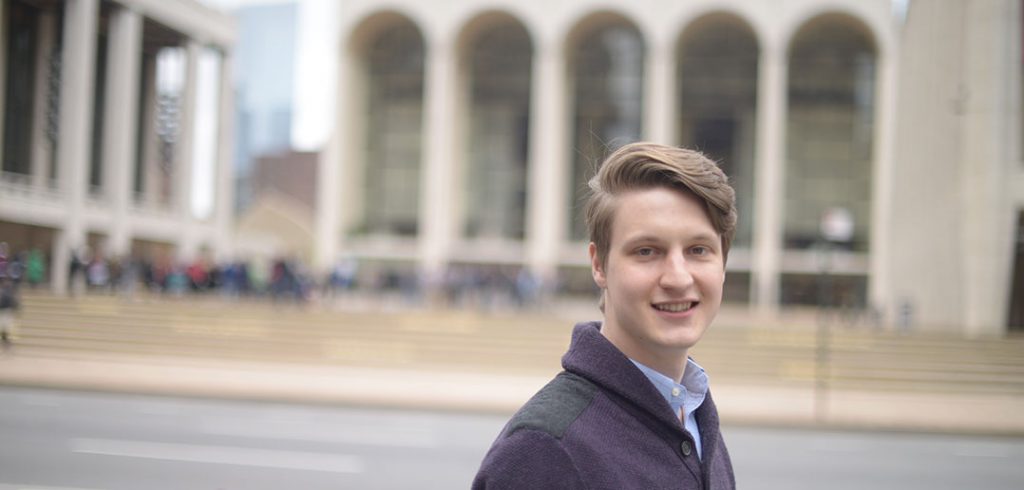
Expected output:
(16, 268)
(130, 269)
(176, 281)
(76, 268)
(527, 288)
(4, 250)
(258, 276)
(631, 409)
(198, 275)
(9, 305)
(35, 268)
(97, 272)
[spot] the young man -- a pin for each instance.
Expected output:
(631, 410)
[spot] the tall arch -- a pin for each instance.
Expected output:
(830, 126)
(390, 52)
(606, 54)
(831, 97)
(496, 60)
(716, 61)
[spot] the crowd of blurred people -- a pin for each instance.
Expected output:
(27, 265)
(286, 279)
(281, 278)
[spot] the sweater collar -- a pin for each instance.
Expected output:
(592, 356)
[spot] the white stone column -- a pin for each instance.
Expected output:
(659, 96)
(224, 186)
(768, 179)
(42, 151)
(123, 58)
(73, 150)
(988, 220)
(337, 153)
(328, 213)
(437, 197)
(187, 241)
(60, 253)
(880, 267)
(547, 214)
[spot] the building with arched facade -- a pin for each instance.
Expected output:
(463, 132)
(116, 129)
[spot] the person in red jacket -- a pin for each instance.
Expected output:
(631, 409)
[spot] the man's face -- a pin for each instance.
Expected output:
(662, 278)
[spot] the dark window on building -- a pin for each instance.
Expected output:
(22, 47)
(717, 77)
(608, 76)
(500, 63)
(96, 164)
(830, 129)
(394, 117)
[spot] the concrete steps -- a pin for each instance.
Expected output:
(508, 343)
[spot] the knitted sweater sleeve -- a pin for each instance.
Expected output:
(527, 459)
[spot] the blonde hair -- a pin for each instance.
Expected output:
(644, 165)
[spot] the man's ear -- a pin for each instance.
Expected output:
(596, 267)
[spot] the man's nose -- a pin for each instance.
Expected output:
(676, 274)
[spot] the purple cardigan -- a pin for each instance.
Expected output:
(600, 424)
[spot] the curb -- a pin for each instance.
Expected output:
(739, 403)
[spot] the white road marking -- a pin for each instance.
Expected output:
(11, 486)
(159, 408)
(982, 450)
(412, 436)
(231, 455)
(840, 445)
(39, 400)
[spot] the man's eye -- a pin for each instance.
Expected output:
(700, 250)
(645, 252)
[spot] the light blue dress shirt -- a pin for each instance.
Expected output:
(683, 398)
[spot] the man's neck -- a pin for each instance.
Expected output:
(671, 363)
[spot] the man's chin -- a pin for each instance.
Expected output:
(682, 337)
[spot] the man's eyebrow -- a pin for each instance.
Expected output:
(641, 239)
(702, 237)
(699, 237)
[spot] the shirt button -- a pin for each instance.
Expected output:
(687, 449)
(675, 392)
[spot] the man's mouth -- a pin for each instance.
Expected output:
(675, 307)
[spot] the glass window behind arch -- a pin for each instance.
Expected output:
(500, 66)
(829, 134)
(717, 78)
(608, 66)
(394, 119)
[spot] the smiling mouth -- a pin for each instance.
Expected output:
(675, 307)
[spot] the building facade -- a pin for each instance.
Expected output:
(873, 143)
(116, 132)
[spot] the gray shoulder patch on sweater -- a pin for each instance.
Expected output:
(555, 406)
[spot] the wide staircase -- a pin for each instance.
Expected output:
(506, 342)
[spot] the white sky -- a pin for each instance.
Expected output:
(315, 68)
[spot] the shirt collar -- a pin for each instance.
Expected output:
(686, 396)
